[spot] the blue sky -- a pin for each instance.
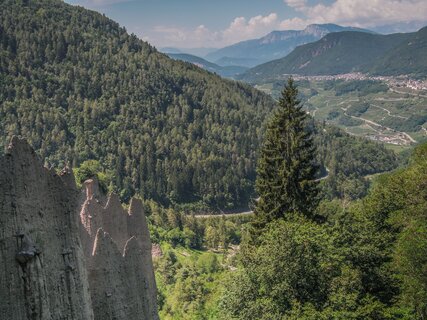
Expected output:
(217, 23)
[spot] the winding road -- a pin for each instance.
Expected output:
(247, 212)
(378, 124)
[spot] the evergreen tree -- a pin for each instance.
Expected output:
(286, 170)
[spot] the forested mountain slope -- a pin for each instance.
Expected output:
(79, 87)
(410, 57)
(366, 261)
(345, 52)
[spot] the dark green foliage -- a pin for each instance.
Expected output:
(358, 109)
(286, 169)
(348, 121)
(92, 169)
(302, 270)
(407, 58)
(280, 273)
(78, 87)
(362, 87)
(333, 114)
(349, 160)
(412, 124)
(402, 198)
(367, 261)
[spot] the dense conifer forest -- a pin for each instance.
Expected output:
(366, 260)
(328, 239)
(79, 88)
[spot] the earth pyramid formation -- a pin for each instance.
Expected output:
(64, 254)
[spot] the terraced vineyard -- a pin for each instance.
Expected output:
(396, 116)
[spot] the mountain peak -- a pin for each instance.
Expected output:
(276, 44)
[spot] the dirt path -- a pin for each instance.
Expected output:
(314, 112)
(244, 213)
(389, 112)
(380, 125)
(410, 93)
(390, 99)
(248, 212)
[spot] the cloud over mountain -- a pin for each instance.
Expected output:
(359, 13)
(240, 28)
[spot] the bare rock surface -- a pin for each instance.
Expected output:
(64, 259)
(120, 239)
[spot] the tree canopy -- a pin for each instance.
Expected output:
(286, 172)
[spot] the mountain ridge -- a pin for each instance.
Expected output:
(224, 71)
(164, 129)
(350, 51)
(276, 44)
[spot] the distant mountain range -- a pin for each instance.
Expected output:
(200, 52)
(344, 52)
(227, 71)
(274, 45)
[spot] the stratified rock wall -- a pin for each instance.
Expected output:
(42, 267)
(62, 257)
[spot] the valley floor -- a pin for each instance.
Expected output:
(396, 117)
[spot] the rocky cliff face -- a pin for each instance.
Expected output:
(64, 257)
(119, 239)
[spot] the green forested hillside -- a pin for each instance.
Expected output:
(408, 58)
(366, 260)
(345, 52)
(79, 87)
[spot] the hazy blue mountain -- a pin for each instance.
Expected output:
(168, 50)
(274, 45)
(245, 62)
(344, 52)
(224, 71)
(200, 52)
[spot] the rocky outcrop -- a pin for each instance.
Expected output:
(61, 259)
(120, 239)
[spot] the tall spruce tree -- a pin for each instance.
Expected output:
(286, 168)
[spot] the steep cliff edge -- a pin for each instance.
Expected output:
(46, 268)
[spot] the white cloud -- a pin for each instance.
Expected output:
(243, 29)
(294, 23)
(359, 13)
(296, 4)
(239, 29)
